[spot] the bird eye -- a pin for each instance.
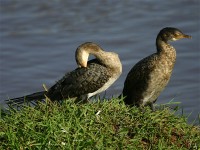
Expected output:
(177, 33)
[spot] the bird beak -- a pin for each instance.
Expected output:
(181, 36)
(84, 59)
(81, 59)
(187, 36)
(84, 64)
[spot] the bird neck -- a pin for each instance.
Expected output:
(83, 51)
(163, 46)
(109, 59)
(165, 50)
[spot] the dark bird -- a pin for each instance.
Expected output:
(91, 78)
(148, 78)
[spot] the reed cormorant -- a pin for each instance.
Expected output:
(148, 78)
(91, 78)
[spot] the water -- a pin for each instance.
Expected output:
(38, 40)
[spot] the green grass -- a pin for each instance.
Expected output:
(100, 125)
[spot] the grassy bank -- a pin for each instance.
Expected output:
(100, 125)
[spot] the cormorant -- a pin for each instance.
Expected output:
(91, 78)
(148, 78)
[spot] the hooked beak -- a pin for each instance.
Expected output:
(181, 36)
(81, 64)
(84, 64)
(82, 58)
(187, 36)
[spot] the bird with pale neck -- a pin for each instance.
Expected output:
(109, 59)
(90, 78)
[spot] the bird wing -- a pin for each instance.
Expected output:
(81, 81)
(137, 79)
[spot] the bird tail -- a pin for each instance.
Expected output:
(32, 98)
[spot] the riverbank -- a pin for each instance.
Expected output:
(100, 125)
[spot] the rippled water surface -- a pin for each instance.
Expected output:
(38, 40)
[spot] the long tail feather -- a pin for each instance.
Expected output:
(27, 99)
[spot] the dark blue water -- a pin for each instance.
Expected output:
(38, 40)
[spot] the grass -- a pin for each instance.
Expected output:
(100, 125)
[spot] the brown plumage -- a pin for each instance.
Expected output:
(148, 78)
(89, 79)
